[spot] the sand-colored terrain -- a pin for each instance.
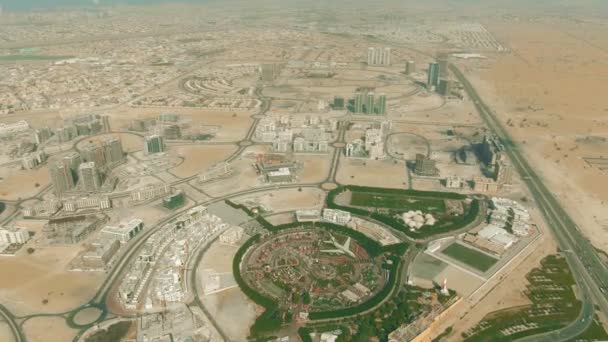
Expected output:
(315, 168)
(198, 158)
(231, 305)
(231, 126)
(41, 276)
(5, 332)
(289, 199)
(550, 93)
(380, 173)
(131, 142)
(18, 184)
(38, 329)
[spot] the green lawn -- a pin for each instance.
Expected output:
(471, 257)
(397, 201)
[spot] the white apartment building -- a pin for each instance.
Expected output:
(124, 231)
(336, 216)
(14, 235)
(8, 129)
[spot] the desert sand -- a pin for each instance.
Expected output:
(550, 91)
(42, 276)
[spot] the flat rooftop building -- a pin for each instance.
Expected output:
(124, 231)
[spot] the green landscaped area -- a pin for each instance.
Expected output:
(451, 211)
(478, 260)
(397, 201)
(551, 290)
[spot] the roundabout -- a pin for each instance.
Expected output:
(86, 316)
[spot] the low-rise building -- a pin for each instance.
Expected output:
(14, 235)
(336, 216)
(150, 192)
(282, 175)
(99, 253)
(125, 231)
(311, 215)
(9, 129)
(454, 182)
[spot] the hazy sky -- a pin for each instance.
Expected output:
(578, 4)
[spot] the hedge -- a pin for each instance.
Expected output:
(271, 318)
(398, 224)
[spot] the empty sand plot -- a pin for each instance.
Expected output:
(375, 173)
(44, 329)
(198, 158)
(19, 183)
(41, 283)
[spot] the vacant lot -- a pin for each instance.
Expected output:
(471, 257)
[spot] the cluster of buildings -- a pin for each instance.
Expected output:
(438, 76)
(366, 102)
(160, 265)
(372, 144)
(154, 144)
(12, 238)
(277, 168)
(355, 293)
(86, 171)
(417, 219)
(7, 130)
(33, 160)
(171, 126)
(150, 192)
(71, 229)
(493, 156)
(99, 252)
(81, 125)
(379, 56)
(309, 134)
(269, 72)
(177, 323)
(337, 216)
(508, 221)
(69, 204)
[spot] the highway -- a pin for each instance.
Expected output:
(588, 269)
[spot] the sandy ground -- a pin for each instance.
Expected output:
(289, 199)
(40, 329)
(243, 177)
(130, 142)
(218, 258)
(43, 275)
(228, 306)
(5, 332)
(315, 168)
(198, 158)
(232, 126)
(380, 173)
(19, 183)
(551, 88)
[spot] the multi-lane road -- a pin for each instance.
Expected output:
(590, 272)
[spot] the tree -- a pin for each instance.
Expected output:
(30, 250)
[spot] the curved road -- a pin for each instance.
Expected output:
(588, 269)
